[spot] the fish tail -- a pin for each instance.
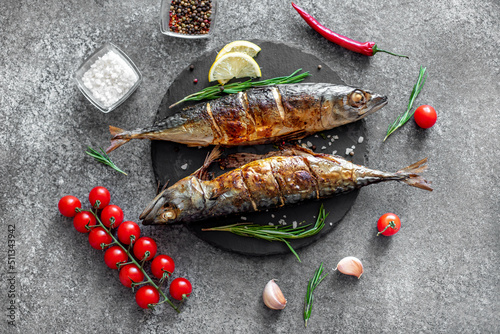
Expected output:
(413, 177)
(118, 138)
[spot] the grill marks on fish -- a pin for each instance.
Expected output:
(260, 115)
(287, 177)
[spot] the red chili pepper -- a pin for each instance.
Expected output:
(367, 49)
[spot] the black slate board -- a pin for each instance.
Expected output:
(170, 159)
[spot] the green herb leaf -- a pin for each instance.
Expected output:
(407, 115)
(311, 286)
(102, 157)
(214, 92)
(276, 233)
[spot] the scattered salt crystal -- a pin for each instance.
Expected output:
(304, 145)
(348, 151)
(334, 152)
(184, 167)
(243, 218)
(294, 224)
(329, 144)
(360, 139)
(335, 137)
(284, 216)
(323, 147)
(353, 147)
(299, 141)
(271, 224)
(331, 224)
(282, 222)
(316, 136)
(272, 215)
(329, 136)
(109, 78)
(309, 144)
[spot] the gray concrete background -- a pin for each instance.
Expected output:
(438, 275)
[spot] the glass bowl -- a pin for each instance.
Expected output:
(165, 20)
(128, 70)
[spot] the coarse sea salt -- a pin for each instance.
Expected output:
(109, 78)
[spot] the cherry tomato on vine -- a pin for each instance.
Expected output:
(100, 194)
(99, 236)
(112, 216)
(68, 204)
(180, 288)
(425, 116)
(127, 229)
(129, 274)
(143, 245)
(388, 224)
(147, 295)
(82, 219)
(161, 264)
(113, 255)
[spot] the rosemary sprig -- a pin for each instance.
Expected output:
(214, 92)
(276, 233)
(311, 286)
(102, 157)
(407, 115)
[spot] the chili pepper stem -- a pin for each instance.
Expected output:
(376, 49)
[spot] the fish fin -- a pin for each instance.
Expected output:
(414, 178)
(117, 140)
(215, 154)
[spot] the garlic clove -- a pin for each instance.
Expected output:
(350, 266)
(273, 297)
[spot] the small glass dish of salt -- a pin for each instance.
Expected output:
(108, 77)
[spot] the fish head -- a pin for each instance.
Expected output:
(355, 104)
(177, 204)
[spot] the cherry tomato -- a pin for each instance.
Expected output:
(147, 295)
(82, 219)
(113, 255)
(68, 204)
(127, 229)
(130, 273)
(100, 194)
(388, 224)
(112, 216)
(180, 288)
(99, 236)
(425, 116)
(143, 245)
(161, 264)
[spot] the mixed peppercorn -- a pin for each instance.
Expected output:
(190, 16)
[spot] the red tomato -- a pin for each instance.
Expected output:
(130, 273)
(126, 230)
(100, 194)
(143, 245)
(82, 219)
(112, 216)
(388, 224)
(162, 264)
(99, 236)
(180, 288)
(113, 255)
(147, 295)
(68, 204)
(425, 116)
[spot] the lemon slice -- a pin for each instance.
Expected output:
(246, 47)
(233, 65)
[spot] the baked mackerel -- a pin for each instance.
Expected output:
(287, 177)
(260, 115)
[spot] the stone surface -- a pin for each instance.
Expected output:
(438, 274)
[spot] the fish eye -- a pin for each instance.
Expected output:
(357, 98)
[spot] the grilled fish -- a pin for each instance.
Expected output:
(287, 177)
(260, 115)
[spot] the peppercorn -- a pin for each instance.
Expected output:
(195, 81)
(190, 17)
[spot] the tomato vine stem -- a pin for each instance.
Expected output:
(148, 279)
